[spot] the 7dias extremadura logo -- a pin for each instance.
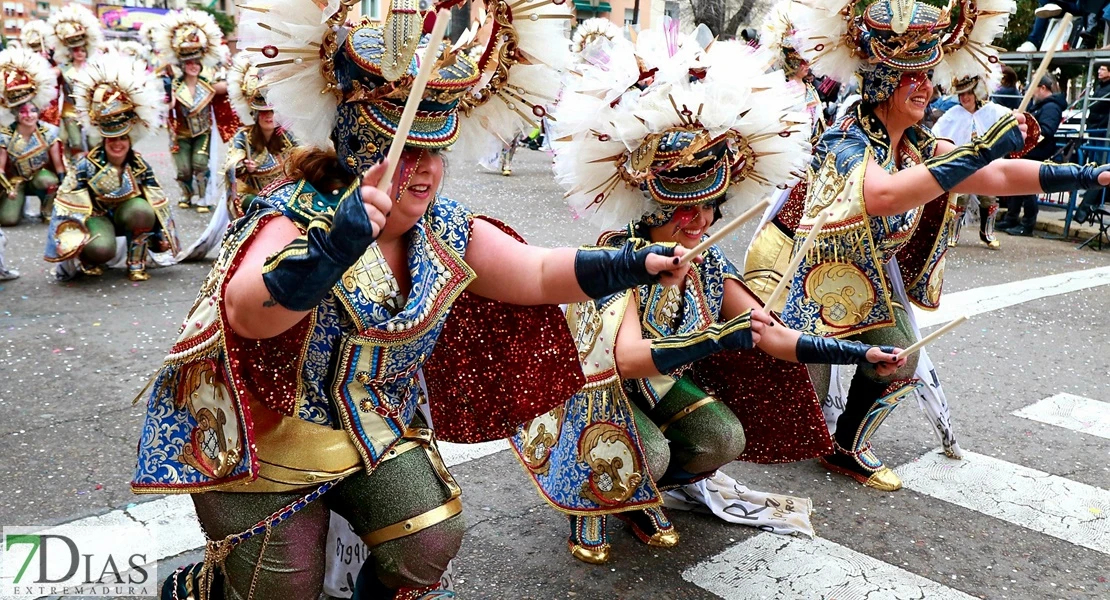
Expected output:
(77, 561)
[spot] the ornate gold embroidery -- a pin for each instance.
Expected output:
(843, 291)
(616, 471)
(827, 186)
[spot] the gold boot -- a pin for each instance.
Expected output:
(588, 541)
(651, 526)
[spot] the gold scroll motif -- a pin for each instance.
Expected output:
(213, 448)
(615, 469)
(843, 291)
(540, 436)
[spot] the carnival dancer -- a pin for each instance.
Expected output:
(328, 271)
(35, 34)
(770, 250)
(661, 147)
(190, 40)
(962, 123)
(891, 235)
(260, 148)
(30, 150)
(75, 36)
(112, 191)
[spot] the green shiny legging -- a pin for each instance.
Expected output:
(289, 563)
(679, 448)
(131, 218)
(44, 185)
(900, 335)
(191, 160)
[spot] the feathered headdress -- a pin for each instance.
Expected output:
(594, 30)
(73, 27)
(244, 89)
(893, 36)
(34, 34)
(303, 48)
(26, 77)
(128, 48)
(695, 123)
(777, 36)
(117, 96)
(981, 85)
(185, 35)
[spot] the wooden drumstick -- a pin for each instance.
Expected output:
(788, 275)
(1065, 23)
(427, 65)
(722, 232)
(932, 336)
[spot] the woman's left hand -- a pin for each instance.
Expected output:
(886, 363)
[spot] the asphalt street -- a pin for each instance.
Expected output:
(73, 355)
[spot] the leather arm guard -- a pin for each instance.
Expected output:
(301, 274)
(671, 352)
(605, 271)
(1003, 138)
(1065, 178)
(831, 351)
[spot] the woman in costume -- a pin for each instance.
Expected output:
(75, 36)
(112, 191)
(353, 287)
(661, 146)
(190, 40)
(30, 149)
(960, 124)
(889, 238)
(260, 148)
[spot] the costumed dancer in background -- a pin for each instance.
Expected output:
(888, 240)
(962, 123)
(260, 148)
(30, 149)
(112, 191)
(131, 49)
(190, 40)
(654, 137)
(75, 37)
(35, 34)
(6, 273)
(353, 287)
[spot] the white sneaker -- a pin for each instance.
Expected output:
(9, 275)
(1048, 11)
(1026, 46)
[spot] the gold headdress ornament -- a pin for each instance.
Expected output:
(116, 95)
(25, 76)
(843, 38)
(244, 89)
(34, 34)
(778, 36)
(299, 46)
(188, 34)
(73, 27)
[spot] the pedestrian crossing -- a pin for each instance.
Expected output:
(769, 566)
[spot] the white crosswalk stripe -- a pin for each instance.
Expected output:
(773, 566)
(1071, 412)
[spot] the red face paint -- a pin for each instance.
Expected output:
(682, 216)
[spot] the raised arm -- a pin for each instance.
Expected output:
(517, 273)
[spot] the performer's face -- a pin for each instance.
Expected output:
(266, 119)
(28, 114)
(911, 99)
(418, 177)
(967, 100)
(116, 148)
(686, 226)
(192, 68)
(79, 54)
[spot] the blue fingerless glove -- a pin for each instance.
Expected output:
(831, 351)
(671, 352)
(602, 272)
(1004, 137)
(1065, 178)
(301, 274)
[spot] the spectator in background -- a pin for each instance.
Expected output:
(1048, 109)
(1088, 19)
(1008, 94)
(1097, 119)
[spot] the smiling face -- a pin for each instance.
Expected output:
(28, 114)
(909, 102)
(79, 54)
(967, 100)
(191, 67)
(678, 229)
(116, 148)
(419, 176)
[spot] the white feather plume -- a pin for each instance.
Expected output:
(35, 30)
(976, 55)
(38, 69)
(169, 26)
(143, 90)
(74, 13)
(822, 31)
(593, 135)
(296, 88)
(593, 30)
(241, 67)
(777, 31)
